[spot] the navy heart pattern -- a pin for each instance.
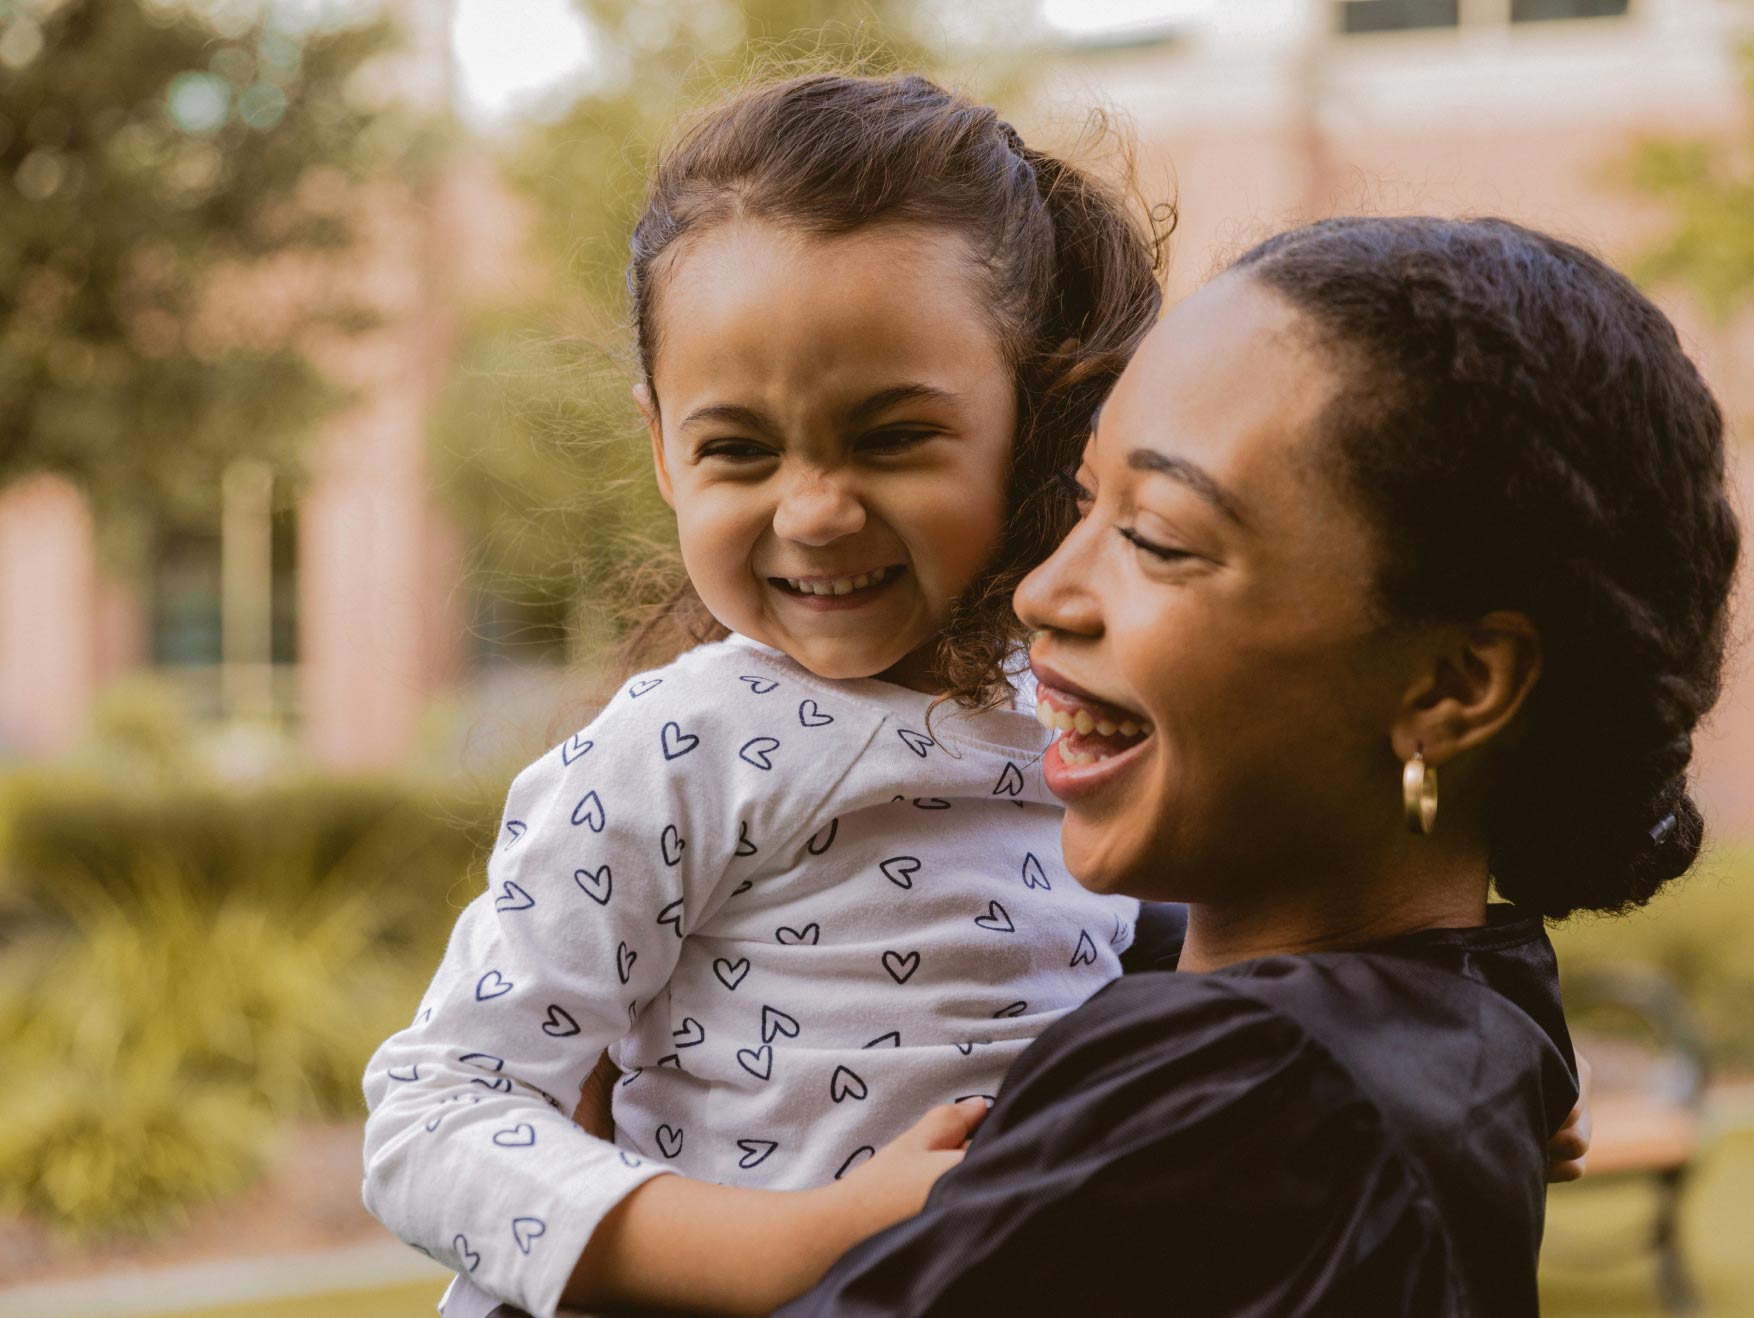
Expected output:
(744, 846)
(1085, 955)
(525, 1230)
(675, 742)
(730, 973)
(901, 966)
(520, 1136)
(670, 1140)
(890, 1040)
(499, 1085)
(997, 919)
(917, 742)
(1010, 781)
(790, 937)
(413, 1073)
(900, 870)
(990, 1100)
(689, 1033)
(630, 1160)
(575, 748)
(672, 844)
(759, 751)
(742, 887)
(864, 1153)
(1033, 876)
(755, 1152)
(846, 1083)
(625, 956)
(632, 1075)
(757, 1061)
(483, 1061)
(517, 828)
(775, 1022)
(639, 689)
(632, 1014)
(421, 1017)
(596, 884)
(492, 985)
(930, 803)
(810, 716)
(560, 1024)
(821, 840)
(760, 685)
(1119, 936)
(512, 898)
(1011, 1009)
(589, 811)
(471, 1259)
(672, 916)
(670, 1060)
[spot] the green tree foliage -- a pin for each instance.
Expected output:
(540, 448)
(1709, 185)
(149, 150)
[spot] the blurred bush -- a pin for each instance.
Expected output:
(186, 966)
(1698, 932)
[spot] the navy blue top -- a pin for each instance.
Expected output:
(1350, 1133)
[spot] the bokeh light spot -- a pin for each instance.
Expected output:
(198, 103)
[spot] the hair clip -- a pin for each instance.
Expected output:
(1660, 831)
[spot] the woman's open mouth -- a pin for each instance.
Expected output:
(821, 592)
(1097, 739)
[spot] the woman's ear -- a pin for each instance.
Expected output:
(647, 403)
(1473, 683)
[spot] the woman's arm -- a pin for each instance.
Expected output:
(682, 1244)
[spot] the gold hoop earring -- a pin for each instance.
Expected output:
(1419, 795)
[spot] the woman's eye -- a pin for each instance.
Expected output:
(1155, 550)
(735, 450)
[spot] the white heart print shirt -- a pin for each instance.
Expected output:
(794, 917)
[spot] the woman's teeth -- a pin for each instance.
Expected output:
(840, 585)
(1081, 724)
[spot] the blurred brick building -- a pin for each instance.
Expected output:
(1264, 112)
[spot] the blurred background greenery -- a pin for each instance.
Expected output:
(322, 501)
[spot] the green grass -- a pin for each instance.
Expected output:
(416, 1301)
(1593, 1264)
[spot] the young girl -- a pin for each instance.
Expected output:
(804, 881)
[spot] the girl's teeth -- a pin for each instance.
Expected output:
(838, 585)
(1129, 729)
(1083, 723)
(1105, 728)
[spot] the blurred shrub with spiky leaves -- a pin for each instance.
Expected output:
(184, 969)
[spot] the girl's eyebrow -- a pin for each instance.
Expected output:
(733, 414)
(884, 399)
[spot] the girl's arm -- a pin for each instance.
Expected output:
(682, 1244)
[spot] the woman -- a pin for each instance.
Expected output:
(1392, 499)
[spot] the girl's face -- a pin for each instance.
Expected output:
(1217, 593)
(833, 425)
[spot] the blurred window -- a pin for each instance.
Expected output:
(1397, 15)
(1539, 11)
(185, 598)
(284, 609)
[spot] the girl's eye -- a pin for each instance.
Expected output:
(1167, 554)
(735, 450)
(893, 441)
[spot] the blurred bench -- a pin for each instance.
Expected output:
(1649, 1067)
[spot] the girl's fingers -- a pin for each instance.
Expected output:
(948, 1127)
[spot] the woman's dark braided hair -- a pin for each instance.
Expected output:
(1068, 276)
(1525, 431)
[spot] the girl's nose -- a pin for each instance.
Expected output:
(817, 508)
(1057, 596)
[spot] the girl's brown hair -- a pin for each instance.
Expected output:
(1070, 275)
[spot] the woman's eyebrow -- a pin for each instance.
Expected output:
(1190, 474)
(884, 399)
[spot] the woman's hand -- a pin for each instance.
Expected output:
(593, 1112)
(1569, 1148)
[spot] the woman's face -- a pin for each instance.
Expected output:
(834, 430)
(1216, 593)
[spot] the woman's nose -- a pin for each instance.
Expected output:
(817, 508)
(1057, 596)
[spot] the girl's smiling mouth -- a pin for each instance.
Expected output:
(842, 592)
